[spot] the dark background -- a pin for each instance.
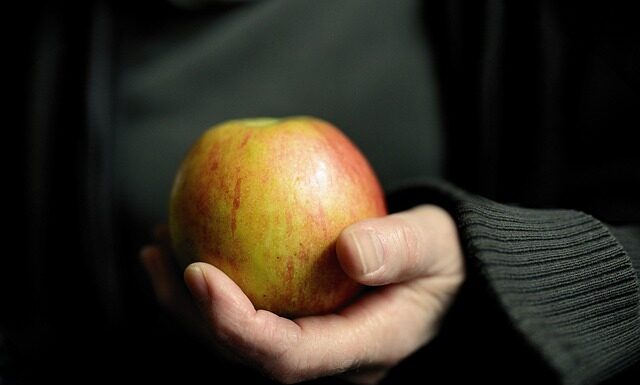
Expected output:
(105, 97)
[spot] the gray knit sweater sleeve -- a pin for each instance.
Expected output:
(564, 280)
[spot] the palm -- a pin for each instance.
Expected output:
(374, 333)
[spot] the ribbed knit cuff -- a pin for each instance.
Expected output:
(629, 238)
(564, 281)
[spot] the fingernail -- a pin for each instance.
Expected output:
(196, 282)
(369, 250)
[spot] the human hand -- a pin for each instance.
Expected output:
(414, 258)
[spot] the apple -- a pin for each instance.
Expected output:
(264, 200)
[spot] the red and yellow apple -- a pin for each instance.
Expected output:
(264, 200)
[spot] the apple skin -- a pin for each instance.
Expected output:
(264, 200)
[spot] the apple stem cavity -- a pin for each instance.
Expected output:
(261, 122)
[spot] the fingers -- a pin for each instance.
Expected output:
(366, 336)
(288, 351)
(155, 259)
(259, 338)
(417, 243)
(169, 290)
(417, 247)
(159, 271)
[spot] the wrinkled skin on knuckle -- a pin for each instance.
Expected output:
(406, 241)
(284, 368)
(411, 236)
(277, 355)
(310, 362)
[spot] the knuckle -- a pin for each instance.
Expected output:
(408, 242)
(283, 369)
(276, 354)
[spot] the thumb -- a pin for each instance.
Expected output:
(416, 243)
